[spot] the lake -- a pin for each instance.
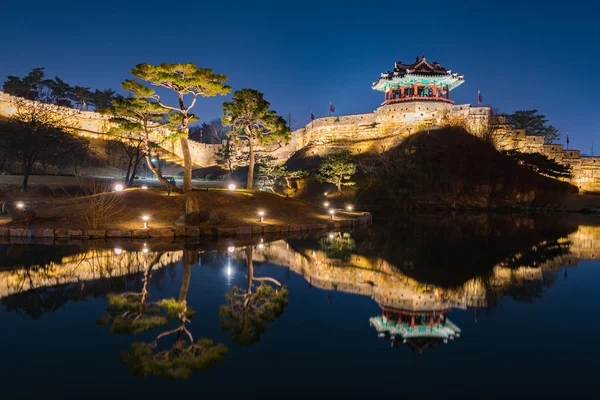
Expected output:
(458, 306)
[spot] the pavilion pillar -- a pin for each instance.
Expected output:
(402, 92)
(412, 321)
(434, 93)
(431, 321)
(415, 90)
(445, 318)
(447, 93)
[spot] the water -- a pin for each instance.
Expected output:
(520, 291)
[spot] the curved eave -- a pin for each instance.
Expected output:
(452, 81)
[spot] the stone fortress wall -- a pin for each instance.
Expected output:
(383, 128)
(390, 124)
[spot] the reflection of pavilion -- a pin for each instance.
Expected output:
(417, 329)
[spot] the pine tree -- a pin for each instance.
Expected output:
(184, 80)
(253, 123)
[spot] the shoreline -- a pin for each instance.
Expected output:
(185, 232)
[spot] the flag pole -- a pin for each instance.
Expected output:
(330, 109)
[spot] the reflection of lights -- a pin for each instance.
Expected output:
(229, 271)
(326, 204)
(118, 187)
(20, 205)
(145, 187)
(118, 251)
(325, 193)
(145, 250)
(231, 187)
(349, 207)
(260, 245)
(231, 249)
(331, 236)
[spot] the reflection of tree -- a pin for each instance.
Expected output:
(339, 247)
(129, 312)
(184, 356)
(247, 312)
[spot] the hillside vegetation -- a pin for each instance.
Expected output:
(450, 168)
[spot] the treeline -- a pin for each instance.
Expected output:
(35, 86)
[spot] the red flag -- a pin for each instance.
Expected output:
(331, 107)
(479, 98)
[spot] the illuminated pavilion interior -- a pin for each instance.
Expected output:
(418, 81)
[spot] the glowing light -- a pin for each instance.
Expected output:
(144, 187)
(331, 236)
(118, 187)
(332, 213)
(231, 249)
(20, 205)
(326, 204)
(229, 271)
(145, 218)
(349, 207)
(260, 245)
(326, 193)
(262, 215)
(231, 187)
(145, 250)
(118, 251)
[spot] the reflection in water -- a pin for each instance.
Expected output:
(416, 271)
(247, 312)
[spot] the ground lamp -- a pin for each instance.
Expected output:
(261, 214)
(145, 187)
(326, 204)
(20, 205)
(118, 187)
(231, 187)
(118, 251)
(349, 207)
(145, 218)
(331, 212)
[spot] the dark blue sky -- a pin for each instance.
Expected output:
(303, 55)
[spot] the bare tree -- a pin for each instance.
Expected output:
(98, 203)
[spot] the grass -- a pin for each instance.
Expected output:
(235, 208)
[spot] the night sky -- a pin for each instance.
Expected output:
(304, 55)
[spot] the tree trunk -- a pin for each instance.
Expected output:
(250, 184)
(151, 166)
(25, 179)
(250, 265)
(187, 164)
(187, 275)
(127, 174)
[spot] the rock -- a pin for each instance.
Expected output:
(21, 215)
(226, 231)
(272, 228)
(161, 232)
(209, 216)
(191, 205)
(4, 232)
(180, 221)
(243, 230)
(257, 229)
(180, 232)
(117, 233)
(191, 218)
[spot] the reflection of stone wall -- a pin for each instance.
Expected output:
(88, 266)
(376, 278)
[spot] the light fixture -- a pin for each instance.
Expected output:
(118, 251)
(260, 245)
(326, 193)
(118, 187)
(349, 207)
(231, 249)
(145, 187)
(145, 218)
(145, 249)
(262, 216)
(20, 205)
(331, 212)
(326, 204)
(331, 236)
(231, 187)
